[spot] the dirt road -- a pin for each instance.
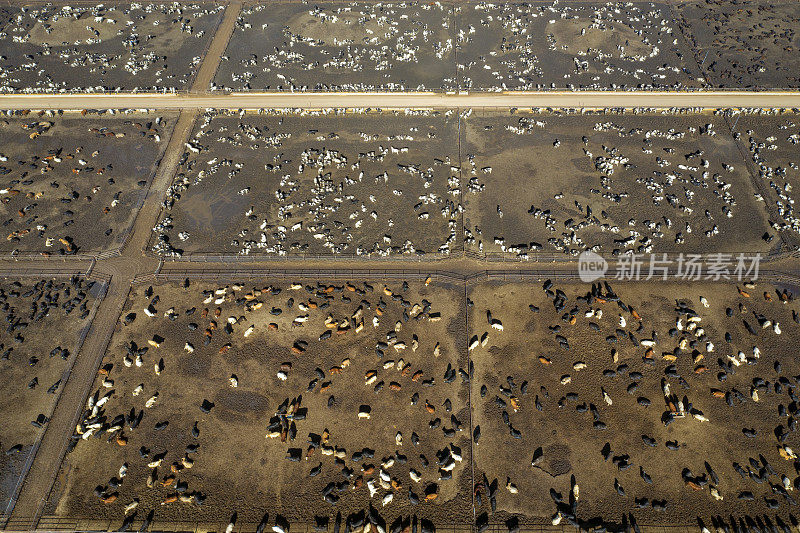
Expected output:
(587, 99)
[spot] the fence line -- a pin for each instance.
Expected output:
(10, 272)
(422, 275)
(55, 523)
(494, 257)
(507, 257)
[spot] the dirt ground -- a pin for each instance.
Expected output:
(46, 320)
(682, 175)
(590, 419)
(406, 46)
(334, 46)
(744, 43)
(578, 45)
(144, 47)
(691, 414)
(6, 15)
(232, 450)
(772, 143)
(71, 183)
(607, 182)
(333, 184)
(474, 45)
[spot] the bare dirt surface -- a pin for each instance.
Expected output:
(316, 183)
(590, 405)
(236, 469)
(46, 320)
(72, 184)
(142, 47)
(576, 45)
(236, 398)
(773, 144)
(478, 46)
(407, 46)
(6, 15)
(744, 44)
(611, 183)
(336, 46)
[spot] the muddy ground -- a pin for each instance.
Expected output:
(612, 183)
(71, 183)
(473, 46)
(144, 47)
(334, 46)
(575, 435)
(406, 46)
(691, 413)
(576, 45)
(772, 144)
(46, 320)
(744, 44)
(334, 184)
(232, 450)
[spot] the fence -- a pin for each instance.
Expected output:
(55, 523)
(441, 276)
(492, 257)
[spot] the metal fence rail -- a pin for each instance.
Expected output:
(507, 257)
(11, 272)
(55, 523)
(444, 276)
